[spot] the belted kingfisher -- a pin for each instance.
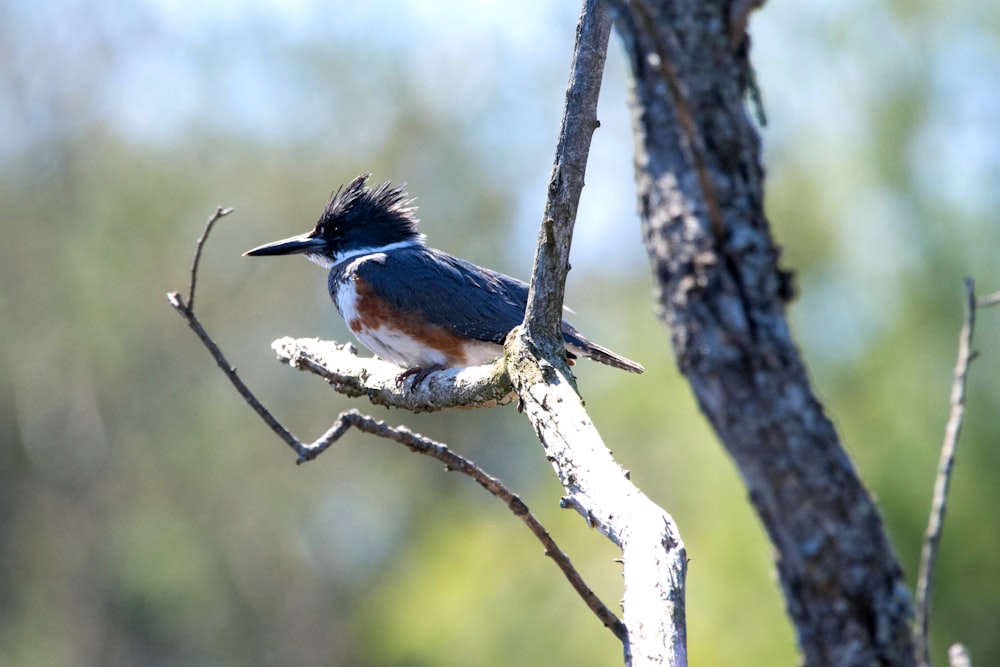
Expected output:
(415, 306)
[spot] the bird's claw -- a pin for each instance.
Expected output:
(419, 375)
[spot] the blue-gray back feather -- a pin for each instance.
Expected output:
(459, 296)
(447, 292)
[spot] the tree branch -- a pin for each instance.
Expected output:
(988, 300)
(939, 504)
(722, 295)
(543, 317)
(220, 213)
(186, 310)
(351, 375)
(653, 557)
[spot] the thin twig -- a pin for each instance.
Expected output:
(187, 313)
(220, 213)
(402, 435)
(983, 302)
(932, 537)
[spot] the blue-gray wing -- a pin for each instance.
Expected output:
(451, 293)
(463, 298)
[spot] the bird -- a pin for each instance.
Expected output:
(417, 307)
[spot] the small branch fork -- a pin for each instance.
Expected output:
(413, 441)
(939, 504)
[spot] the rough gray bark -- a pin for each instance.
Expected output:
(722, 295)
(351, 375)
(654, 562)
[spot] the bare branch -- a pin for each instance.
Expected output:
(543, 317)
(982, 302)
(351, 375)
(187, 313)
(220, 213)
(653, 557)
(939, 504)
(415, 442)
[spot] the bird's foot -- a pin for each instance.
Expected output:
(418, 374)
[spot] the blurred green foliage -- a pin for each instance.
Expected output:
(147, 516)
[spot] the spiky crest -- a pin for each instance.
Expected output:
(384, 208)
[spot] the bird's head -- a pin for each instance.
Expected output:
(357, 220)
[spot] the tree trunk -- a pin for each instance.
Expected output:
(700, 190)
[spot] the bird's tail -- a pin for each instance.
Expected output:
(581, 347)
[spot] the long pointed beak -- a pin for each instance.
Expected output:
(295, 245)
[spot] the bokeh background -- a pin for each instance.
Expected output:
(147, 517)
